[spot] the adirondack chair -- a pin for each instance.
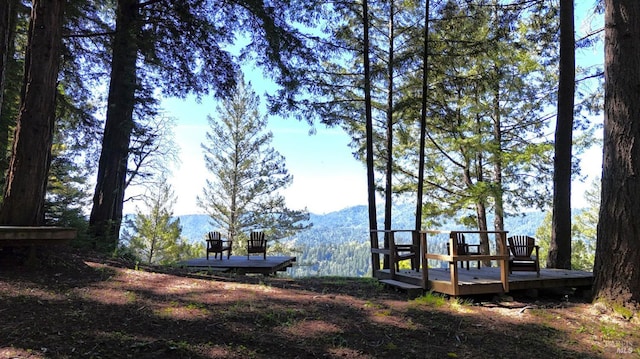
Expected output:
(257, 244)
(216, 245)
(406, 252)
(464, 248)
(522, 256)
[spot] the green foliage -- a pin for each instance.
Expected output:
(248, 176)
(154, 236)
(583, 232)
(67, 192)
(486, 123)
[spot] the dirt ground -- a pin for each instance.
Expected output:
(82, 305)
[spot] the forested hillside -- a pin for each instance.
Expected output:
(338, 242)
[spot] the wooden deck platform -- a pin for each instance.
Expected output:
(487, 280)
(242, 265)
(18, 236)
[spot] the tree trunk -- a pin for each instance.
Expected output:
(423, 119)
(616, 269)
(7, 11)
(560, 246)
(8, 18)
(481, 213)
(31, 154)
(371, 185)
(106, 214)
(498, 221)
(389, 165)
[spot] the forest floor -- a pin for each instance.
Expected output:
(83, 305)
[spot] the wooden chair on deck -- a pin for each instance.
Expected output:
(216, 245)
(522, 257)
(406, 252)
(463, 248)
(257, 244)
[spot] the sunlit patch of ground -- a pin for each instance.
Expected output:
(17, 353)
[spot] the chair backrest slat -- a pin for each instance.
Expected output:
(214, 241)
(257, 239)
(461, 243)
(521, 246)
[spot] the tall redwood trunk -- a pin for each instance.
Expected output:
(617, 269)
(560, 246)
(31, 154)
(8, 18)
(7, 13)
(106, 214)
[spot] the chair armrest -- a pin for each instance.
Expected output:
(405, 247)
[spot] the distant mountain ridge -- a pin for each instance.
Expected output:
(352, 224)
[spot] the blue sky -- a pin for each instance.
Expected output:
(326, 177)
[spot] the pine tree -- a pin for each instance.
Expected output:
(155, 235)
(248, 174)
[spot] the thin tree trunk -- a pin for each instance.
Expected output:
(31, 155)
(616, 269)
(389, 165)
(371, 185)
(423, 127)
(481, 206)
(481, 213)
(498, 221)
(560, 246)
(106, 214)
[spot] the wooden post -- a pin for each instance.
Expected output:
(375, 257)
(504, 262)
(453, 263)
(415, 240)
(392, 254)
(424, 261)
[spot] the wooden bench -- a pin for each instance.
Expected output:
(32, 237)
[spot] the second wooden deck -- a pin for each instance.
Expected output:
(447, 278)
(487, 280)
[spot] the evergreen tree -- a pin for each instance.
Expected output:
(67, 191)
(155, 235)
(244, 193)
